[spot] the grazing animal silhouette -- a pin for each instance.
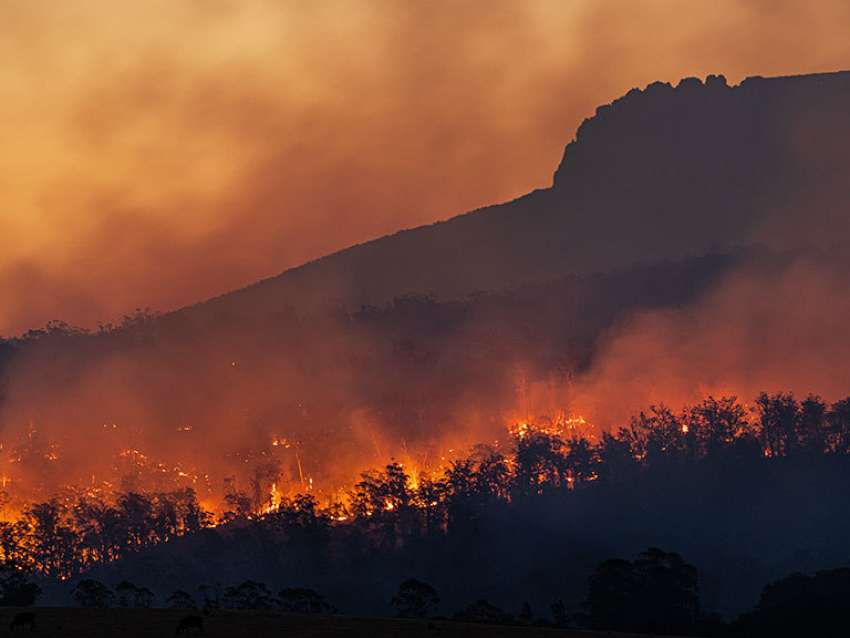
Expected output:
(23, 619)
(188, 622)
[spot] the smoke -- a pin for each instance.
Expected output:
(779, 323)
(157, 157)
(782, 328)
(207, 149)
(304, 401)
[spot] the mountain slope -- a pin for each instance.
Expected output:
(661, 173)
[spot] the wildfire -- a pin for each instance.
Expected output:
(292, 479)
(257, 482)
(275, 499)
(520, 430)
(549, 427)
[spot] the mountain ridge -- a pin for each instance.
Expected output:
(660, 173)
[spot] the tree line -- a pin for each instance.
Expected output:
(656, 593)
(63, 537)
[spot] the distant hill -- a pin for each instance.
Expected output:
(661, 173)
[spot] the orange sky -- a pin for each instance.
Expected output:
(155, 154)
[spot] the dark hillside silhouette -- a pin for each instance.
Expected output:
(662, 173)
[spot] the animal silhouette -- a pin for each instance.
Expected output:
(23, 619)
(189, 622)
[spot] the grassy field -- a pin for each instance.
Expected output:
(126, 623)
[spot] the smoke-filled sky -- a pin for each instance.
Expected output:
(155, 154)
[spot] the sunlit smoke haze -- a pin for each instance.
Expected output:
(155, 156)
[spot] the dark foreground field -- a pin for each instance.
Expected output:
(112, 623)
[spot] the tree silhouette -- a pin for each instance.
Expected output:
(459, 491)
(135, 511)
(382, 491)
(539, 461)
(92, 593)
(180, 599)
(52, 540)
(657, 593)
(612, 599)
(430, 499)
(15, 588)
(779, 422)
(249, 595)
(716, 423)
(526, 617)
(812, 426)
(210, 595)
(481, 611)
(124, 592)
(414, 599)
(559, 614)
(661, 432)
(582, 460)
(239, 505)
(491, 477)
(669, 591)
(12, 542)
(619, 456)
(304, 600)
(800, 605)
(837, 435)
(143, 597)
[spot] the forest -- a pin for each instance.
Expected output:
(106, 434)
(392, 515)
(65, 536)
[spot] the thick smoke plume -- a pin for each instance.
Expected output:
(155, 156)
(778, 328)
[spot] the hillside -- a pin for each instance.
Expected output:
(662, 173)
(690, 246)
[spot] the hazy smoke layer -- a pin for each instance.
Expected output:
(777, 324)
(772, 329)
(156, 155)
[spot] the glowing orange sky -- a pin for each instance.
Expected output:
(158, 153)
